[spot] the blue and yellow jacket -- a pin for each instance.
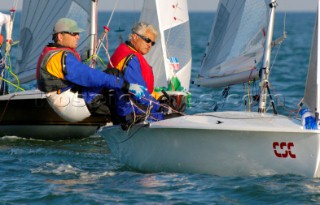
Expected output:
(60, 68)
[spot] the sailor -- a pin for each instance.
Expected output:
(73, 89)
(129, 59)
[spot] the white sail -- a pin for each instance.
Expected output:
(37, 21)
(171, 19)
(312, 89)
(235, 45)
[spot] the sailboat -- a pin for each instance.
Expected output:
(24, 111)
(230, 143)
(172, 20)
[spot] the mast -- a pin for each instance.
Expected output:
(265, 70)
(93, 30)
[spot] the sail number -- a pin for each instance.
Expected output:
(283, 149)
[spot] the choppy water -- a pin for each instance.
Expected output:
(85, 172)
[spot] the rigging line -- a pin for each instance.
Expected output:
(134, 115)
(275, 57)
(161, 105)
(280, 40)
(106, 50)
(17, 86)
(147, 113)
(105, 32)
(15, 3)
(96, 56)
(285, 21)
(282, 102)
(14, 85)
(135, 132)
(249, 100)
(114, 8)
(5, 108)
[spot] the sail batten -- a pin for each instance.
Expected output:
(235, 44)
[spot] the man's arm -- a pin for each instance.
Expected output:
(81, 74)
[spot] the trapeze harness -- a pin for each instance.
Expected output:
(60, 93)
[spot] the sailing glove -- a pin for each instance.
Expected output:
(137, 90)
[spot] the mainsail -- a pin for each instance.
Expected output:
(37, 20)
(312, 89)
(171, 19)
(235, 44)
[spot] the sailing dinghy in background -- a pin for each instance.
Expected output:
(170, 58)
(25, 112)
(230, 143)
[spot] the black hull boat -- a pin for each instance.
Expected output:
(29, 115)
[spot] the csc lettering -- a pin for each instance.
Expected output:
(283, 149)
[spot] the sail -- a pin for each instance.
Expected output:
(171, 55)
(36, 24)
(312, 89)
(235, 44)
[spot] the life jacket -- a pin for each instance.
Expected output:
(1, 40)
(123, 52)
(46, 81)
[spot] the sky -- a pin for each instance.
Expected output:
(194, 5)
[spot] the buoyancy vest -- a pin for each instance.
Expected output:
(122, 52)
(46, 81)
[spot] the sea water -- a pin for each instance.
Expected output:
(85, 172)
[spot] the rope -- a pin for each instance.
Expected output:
(105, 32)
(133, 133)
(7, 59)
(14, 85)
(5, 108)
(134, 116)
(146, 114)
(9, 68)
(98, 57)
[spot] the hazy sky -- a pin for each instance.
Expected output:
(194, 5)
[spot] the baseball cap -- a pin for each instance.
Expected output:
(66, 25)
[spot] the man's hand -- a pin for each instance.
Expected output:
(137, 90)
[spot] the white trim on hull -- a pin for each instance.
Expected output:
(225, 144)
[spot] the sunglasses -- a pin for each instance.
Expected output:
(71, 33)
(146, 39)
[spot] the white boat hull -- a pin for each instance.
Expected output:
(225, 144)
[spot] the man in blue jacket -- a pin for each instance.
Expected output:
(129, 60)
(73, 88)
